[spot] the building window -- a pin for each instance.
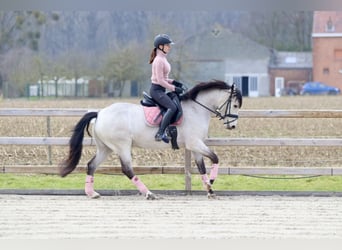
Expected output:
(329, 26)
(338, 54)
(253, 83)
(237, 81)
(290, 59)
(326, 71)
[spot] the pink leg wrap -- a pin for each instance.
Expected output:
(205, 179)
(140, 185)
(89, 185)
(213, 171)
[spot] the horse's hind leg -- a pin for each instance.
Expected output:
(101, 154)
(126, 166)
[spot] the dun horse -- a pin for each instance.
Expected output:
(121, 126)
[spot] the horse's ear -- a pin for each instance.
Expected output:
(233, 87)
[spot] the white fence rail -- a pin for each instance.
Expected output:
(243, 113)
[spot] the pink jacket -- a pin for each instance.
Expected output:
(160, 71)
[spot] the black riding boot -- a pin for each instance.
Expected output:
(161, 134)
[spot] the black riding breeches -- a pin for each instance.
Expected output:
(158, 93)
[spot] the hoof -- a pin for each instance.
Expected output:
(212, 196)
(151, 196)
(94, 195)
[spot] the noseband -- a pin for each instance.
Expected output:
(227, 112)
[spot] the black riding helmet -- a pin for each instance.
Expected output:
(162, 39)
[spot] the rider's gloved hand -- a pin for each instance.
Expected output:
(177, 84)
(179, 90)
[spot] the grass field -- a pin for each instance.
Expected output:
(229, 156)
(172, 182)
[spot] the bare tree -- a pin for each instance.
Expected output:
(279, 29)
(301, 24)
(20, 29)
(122, 64)
(18, 66)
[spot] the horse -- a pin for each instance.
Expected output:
(121, 126)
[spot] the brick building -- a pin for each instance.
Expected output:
(289, 71)
(327, 47)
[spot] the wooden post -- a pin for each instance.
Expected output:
(187, 155)
(48, 124)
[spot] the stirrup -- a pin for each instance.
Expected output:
(162, 137)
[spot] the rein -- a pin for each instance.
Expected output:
(217, 112)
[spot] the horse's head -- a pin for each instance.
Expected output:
(219, 98)
(229, 109)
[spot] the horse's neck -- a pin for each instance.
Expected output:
(210, 99)
(202, 106)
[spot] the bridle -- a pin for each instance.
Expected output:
(227, 112)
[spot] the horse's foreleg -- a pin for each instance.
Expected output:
(213, 173)
(207, 185)
(203, 172)
(198, 153)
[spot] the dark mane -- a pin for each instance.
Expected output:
(215, 84)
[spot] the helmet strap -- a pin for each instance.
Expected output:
(162, 49)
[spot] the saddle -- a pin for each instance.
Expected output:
(154, 113)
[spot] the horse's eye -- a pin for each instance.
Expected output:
(236, 106)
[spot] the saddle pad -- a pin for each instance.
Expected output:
(153, 118)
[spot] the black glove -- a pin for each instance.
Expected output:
(179, 90)
(177, 84)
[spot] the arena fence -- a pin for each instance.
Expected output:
(187, 170)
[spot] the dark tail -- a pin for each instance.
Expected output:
(75, 144)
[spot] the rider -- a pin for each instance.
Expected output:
(161, 82)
